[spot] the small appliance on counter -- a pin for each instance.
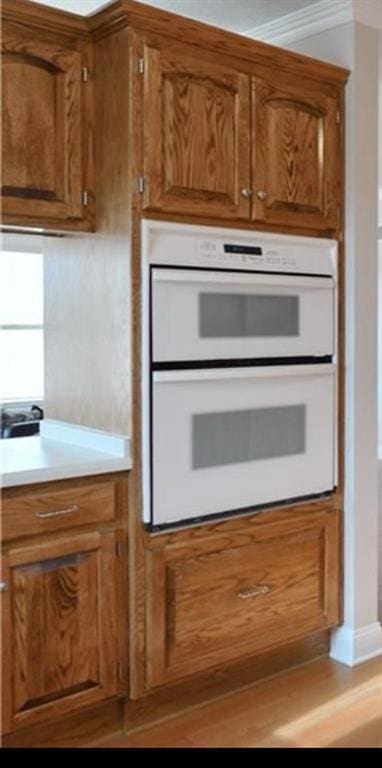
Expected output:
(21, 422)
(239, 370)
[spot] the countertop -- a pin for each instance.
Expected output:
(62, 451)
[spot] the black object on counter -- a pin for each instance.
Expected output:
(21, 422)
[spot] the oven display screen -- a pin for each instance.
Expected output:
(255, 249)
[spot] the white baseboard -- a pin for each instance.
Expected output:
(354, 646)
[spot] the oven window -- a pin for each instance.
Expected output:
(232, 437)
(229, 315)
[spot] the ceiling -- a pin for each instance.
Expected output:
(236, 15)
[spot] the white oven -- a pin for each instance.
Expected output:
(238, 371)
(205, 314)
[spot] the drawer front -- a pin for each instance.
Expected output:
(40, 512)
(242, 599)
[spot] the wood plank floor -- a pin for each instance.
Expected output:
(320, 704)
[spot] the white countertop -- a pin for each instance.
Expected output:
(62, 451)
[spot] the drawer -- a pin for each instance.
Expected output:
(54, 509)
(239, 599)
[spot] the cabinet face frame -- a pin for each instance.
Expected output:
(177, 177)
(100, 547)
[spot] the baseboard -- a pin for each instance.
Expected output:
(352, 647)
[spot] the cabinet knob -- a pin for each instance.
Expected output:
(261, 194)
(246, 192)
(3, 586)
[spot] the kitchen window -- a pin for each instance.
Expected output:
(22, 319)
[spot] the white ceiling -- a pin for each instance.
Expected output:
(236, 15)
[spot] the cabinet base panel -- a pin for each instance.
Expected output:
(81, 729)
(170, 701)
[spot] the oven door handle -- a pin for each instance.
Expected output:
(246, 279)
(255, 372)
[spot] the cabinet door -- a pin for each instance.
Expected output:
(196, 122)
(60, 628)
(228, 597)
(41, 127)
(296, 154)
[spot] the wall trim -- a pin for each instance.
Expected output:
(354, 646)
(316, 18)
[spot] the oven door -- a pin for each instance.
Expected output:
(226, 440)
(212, 315)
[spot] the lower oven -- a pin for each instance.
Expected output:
(226, 440)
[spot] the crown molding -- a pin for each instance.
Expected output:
(44, 17)
(318, 17)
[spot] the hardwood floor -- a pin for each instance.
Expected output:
(320, 704)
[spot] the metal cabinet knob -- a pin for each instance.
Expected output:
(3, 586)
(261, 194)
(246, 192)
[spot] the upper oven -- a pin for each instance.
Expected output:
(207, 314)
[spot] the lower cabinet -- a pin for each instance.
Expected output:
(236, 594)
(59, 634)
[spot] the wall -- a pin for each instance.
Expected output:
(356, 46)
(87, 277)
(87, 328)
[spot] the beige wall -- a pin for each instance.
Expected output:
(87, 332)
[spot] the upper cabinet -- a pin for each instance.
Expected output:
(295, 143)
(222, 143)
(45, 147)
(196, 135)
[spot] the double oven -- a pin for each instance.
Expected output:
(238, 371)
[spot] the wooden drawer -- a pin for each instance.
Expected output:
(233, 598)
(59, 507)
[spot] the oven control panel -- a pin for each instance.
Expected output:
(192, 246)
(243, 256)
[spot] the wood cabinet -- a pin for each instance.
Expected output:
(46, 137)
(219, 142)
(62, 611)
(295, 154)
(197, 143)
(231, 595)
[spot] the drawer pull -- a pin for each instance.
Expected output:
(3, 586)
(256, 591)
(68, 511)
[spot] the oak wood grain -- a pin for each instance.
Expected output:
(196, 134)
(295, 154)
(143, 17)
(61, 632)
(231, 597)
(33, 513)
(42, 17)
(83, 728)
(42, 123)
(137, 538)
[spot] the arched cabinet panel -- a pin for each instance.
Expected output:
(42, 127)
(295, 144)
